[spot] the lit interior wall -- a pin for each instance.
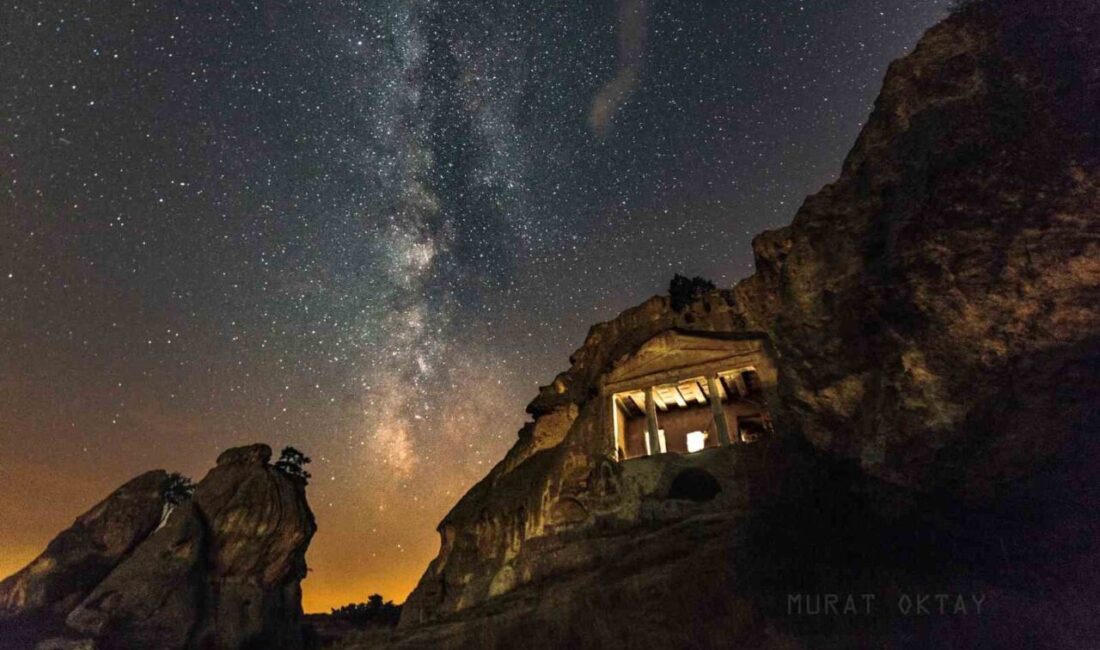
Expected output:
(678, 422)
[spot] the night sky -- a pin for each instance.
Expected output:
(371, 229)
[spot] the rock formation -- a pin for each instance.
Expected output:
(939, 303)
(933, 316)
(222, 570)
(81, 556)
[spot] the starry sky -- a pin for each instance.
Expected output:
(371, 229)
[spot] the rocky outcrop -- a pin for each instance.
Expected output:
(933, 316)
(82, 555)
(558, 477)
(940, 303)
(222, 571)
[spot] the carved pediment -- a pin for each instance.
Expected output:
(673, 351)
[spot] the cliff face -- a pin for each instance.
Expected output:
(933, 317)
(559, 478)
(939, 303)
(221, 571)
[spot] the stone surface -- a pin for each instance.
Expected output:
(154, 597)
(260, 527)
(82, 555)
(933, 316)
(557, 477)
(223, 571)
(940, 302)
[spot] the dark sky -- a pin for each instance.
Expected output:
(371, 229)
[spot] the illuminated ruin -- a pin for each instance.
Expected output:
(683, 392)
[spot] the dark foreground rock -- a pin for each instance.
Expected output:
(223, 570)
(80, 557)
(934, 321)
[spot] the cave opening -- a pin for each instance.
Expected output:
(694, 484)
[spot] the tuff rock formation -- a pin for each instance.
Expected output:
(222, 570)
(80, 557)
(933, 316)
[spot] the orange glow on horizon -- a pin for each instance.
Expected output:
(376, 506)
(322, 597)
(14, 559)
(318, 597)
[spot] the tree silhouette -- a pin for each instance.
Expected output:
(292, 463)
(684, 290)
(376, 611)
(179, 489)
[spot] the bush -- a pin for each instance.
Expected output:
(683, 290)
(179, 489)
(292, 463)
(373, 612)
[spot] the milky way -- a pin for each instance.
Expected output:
(372, 229)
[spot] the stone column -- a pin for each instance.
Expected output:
(717, 411)
(651, 422)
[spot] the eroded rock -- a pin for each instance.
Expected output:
(82, 555)
(223, 571)
(933, 316)
(154, 598)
